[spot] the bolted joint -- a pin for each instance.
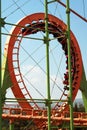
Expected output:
(47, 103)
(69, 101)
(68, 11)
(46, 19)
(46, 40)
(66, 34)
(2, 22)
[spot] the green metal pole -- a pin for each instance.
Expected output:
(83, 88)
(69, 65)
(0, 74)
(11, 125)
(47, 63)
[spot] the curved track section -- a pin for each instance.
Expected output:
(32, 24)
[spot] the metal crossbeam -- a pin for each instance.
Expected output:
(80, 118)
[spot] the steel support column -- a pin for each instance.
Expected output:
(0, 74)
(69, 65)
(11, 124)
(47, 64)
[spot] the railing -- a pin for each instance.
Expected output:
(80, 118)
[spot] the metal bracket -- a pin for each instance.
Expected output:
(2, 22)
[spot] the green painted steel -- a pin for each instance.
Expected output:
(6, 81)
(11, 125)
(47, 64)
(69, 64)
(83, 89)
(0, 73)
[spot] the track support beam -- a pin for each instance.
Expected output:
(0, 73)
(47, 64)
(11, 124)
(69, 65)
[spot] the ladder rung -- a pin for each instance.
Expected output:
(23, 88)
(19, 81)
(17, 74)
(25, 94)
(18, 39)
(16, 67)
(15, 48)
(15, 60)
(14, 53)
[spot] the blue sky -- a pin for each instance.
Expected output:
(14, 10)
(79, 27)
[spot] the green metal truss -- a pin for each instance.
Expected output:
(6, 81)
(83, 89)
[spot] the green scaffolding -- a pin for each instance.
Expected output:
(5, 81)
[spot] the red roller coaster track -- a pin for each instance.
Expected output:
(57, 118)
(32, 24)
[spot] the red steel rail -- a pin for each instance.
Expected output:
(80, 118)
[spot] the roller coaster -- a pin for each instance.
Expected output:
(12, 76)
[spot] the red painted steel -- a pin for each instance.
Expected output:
(80, 118)
(33, 22)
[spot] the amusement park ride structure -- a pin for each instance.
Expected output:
(74, 79)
